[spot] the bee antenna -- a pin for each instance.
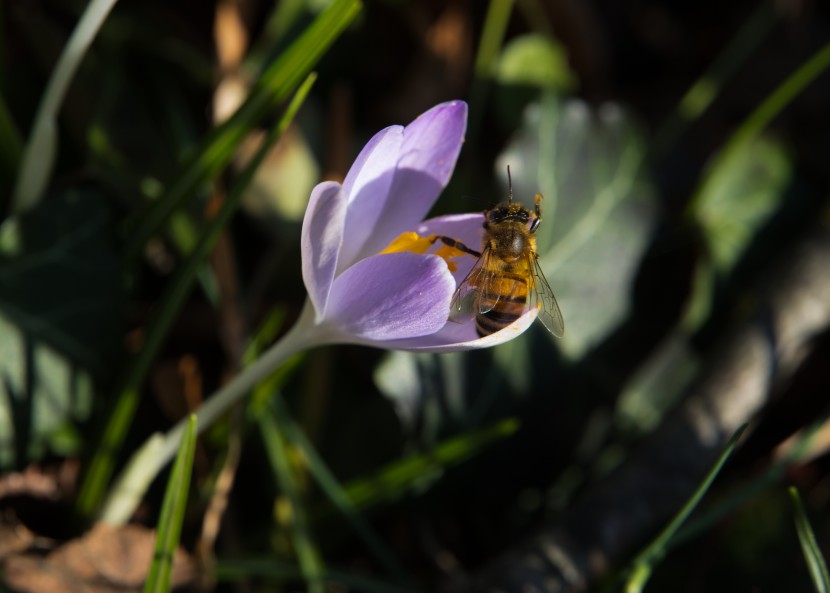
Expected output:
(509, 186)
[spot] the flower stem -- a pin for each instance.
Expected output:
(159, 449)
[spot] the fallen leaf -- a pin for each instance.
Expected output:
(106, 559)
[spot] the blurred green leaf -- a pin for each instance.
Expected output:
(280, 188)
(812, 553)
(172, 514)
(412, 381)
(739, 196)
(598, 214)
(41, 391)
(535, 60)
(59, 318)
(743, 188)
(59, 277)
(657, 384)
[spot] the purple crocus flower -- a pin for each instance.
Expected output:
(373, 277)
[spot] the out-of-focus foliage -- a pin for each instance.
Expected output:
(60, 297)
(535, 60)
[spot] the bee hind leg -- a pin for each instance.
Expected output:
(456, 244)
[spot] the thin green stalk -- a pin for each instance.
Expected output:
(492, 38)
(738, 497)
(308, 556)
(707, 88)
(645, 562)
(780, 98)
(102, 464)
(276, 83)
(336, 493)
(172, 515)
(809, 546)
(39, 153)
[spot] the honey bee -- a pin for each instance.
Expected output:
(507, 280)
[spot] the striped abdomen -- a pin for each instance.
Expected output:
(505, 297)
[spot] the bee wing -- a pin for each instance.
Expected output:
(466, 295)
(541, 295)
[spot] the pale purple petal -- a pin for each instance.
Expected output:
(455, 337)
(367, 188)
(321, 238)
(466, 228)
(430, 148)
(391, 296)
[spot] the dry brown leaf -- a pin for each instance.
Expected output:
(106, 559)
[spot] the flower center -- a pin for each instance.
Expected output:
(415, 243)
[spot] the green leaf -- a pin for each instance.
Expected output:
(597, 211)
(172, 514)
(809, 547)
(535, 60)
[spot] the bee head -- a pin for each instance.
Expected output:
(508, 212)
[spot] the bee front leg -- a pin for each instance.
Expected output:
(456, 244)
(537, 220)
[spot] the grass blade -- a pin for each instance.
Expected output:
(39, 153)
(645, 562)
(172, 514)
(809, 546)
(709, 86)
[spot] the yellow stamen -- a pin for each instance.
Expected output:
(417, 244)
(409, 242)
